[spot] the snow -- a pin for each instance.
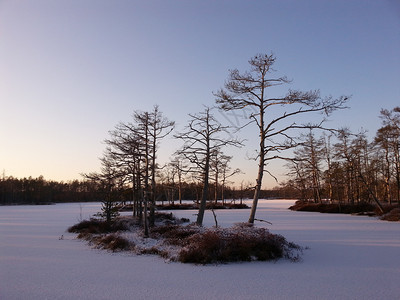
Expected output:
(349, 257)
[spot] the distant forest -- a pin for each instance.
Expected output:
(41, 191)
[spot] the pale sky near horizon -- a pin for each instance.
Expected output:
(71, 70)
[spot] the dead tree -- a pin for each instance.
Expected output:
(135, 144)
(277, 118)
(222, 172)
(126, 146)
(307, 164)
(179, 167)
(328, 159)
(391, 125)
(159, 127)
(203, 136)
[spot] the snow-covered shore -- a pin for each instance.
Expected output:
(349, 258)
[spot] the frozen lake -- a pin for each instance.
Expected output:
(349, 257)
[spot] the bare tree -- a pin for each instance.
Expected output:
(203, 136)
(344, 155)
(328, 159)
(298, 178)
(383, 140)
(277, 118)
(306, 166)
(391, 128)
(135, 145)
(159, 127)
(179, 166)
(167, 178)
(222, 172)
(215, 168)
(126, 146)
(151, 127)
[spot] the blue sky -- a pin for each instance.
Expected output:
(71, 70)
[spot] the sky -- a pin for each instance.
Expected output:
(71, 70)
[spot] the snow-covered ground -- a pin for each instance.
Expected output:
(349, 257)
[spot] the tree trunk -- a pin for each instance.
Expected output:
(180, 192)
(202, 208)
(258, 185)
(145, 219)
(261, 164)
(216, 189)
(153, 181)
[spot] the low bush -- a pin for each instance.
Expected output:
(333, 207)
(113, 242)
(175, 234)
(393, 215)
(96, 226)
(155, 251)
(240, 243)
(92, 226)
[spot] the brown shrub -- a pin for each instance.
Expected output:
(202, 249)
(96, 226)
(175, 234)
(113, 242)
(92, 226)
(333, 207)
(84, 236)
(237, 244)
(393, 215)
(154, 251)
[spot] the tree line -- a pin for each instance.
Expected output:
(42, 191)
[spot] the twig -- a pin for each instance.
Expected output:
(215, 218)
(263, 221)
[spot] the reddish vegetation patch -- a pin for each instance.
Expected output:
(392, 215)
(239, 243)
(391, 212)
(333, 208)
(113, 242)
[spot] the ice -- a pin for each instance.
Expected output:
(349, 257)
